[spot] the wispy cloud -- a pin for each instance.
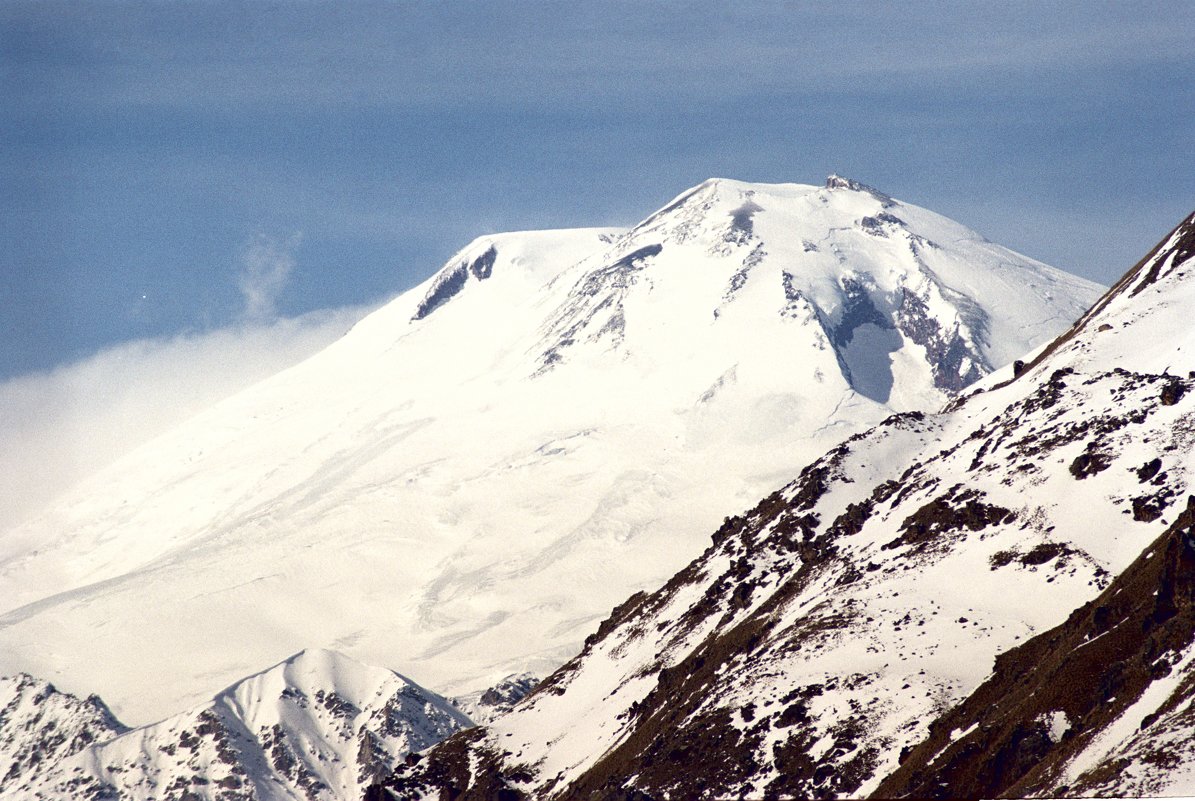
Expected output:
(60, 426)
(266, 265)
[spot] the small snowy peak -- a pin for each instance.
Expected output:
(41, 727)
(318, 726)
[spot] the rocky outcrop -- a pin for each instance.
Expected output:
(489, 704)
(452, 280)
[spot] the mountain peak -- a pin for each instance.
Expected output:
(43, 726)
(318, 725)
(470, 468)
(863, 281)
(994, 601)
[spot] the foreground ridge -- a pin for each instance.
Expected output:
(1098, 706)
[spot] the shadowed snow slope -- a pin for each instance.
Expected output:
(316, 727)
(995, 600)
(466, 483)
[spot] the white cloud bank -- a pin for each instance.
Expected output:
(60, 426)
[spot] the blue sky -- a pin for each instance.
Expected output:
(151, 154)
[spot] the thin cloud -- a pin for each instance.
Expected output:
(266, 265)
(324, 56)
(60, 426)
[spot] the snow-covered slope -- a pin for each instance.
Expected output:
(317, 726)
(463, 485)
(841, 638)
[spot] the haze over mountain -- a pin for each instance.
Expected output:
(463, 485)
(992, 601)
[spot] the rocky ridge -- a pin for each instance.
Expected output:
(316, 727)
(487, 705)
(40, 727)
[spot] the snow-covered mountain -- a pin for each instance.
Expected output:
(464, 484)
(316, 727)
(998, 600)
(41, 727)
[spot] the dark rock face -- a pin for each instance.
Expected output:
(448, 768)
(1089, 463)
(495, 701)
(483, 265)
(510, 692)
(450, 283)
(876, 226)
(287, 764)
(739, 279)
(957, 510)
(858, 309)
(955, 364)
(632, 261)
(1173, 392)
(891, 320)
